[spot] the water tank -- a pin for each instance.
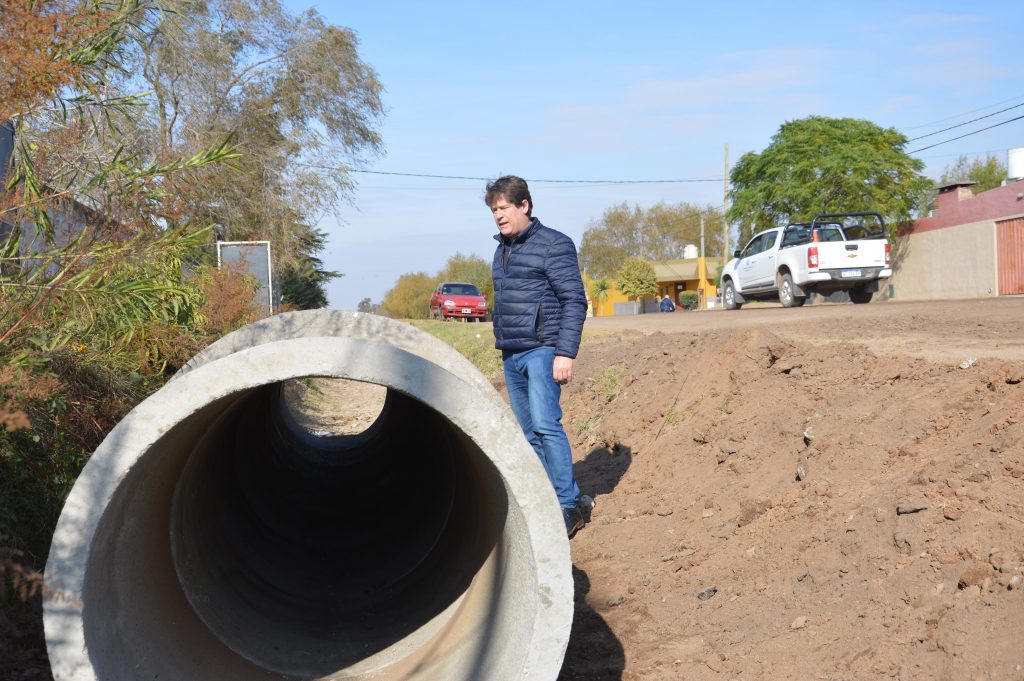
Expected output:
(690, 251)
(1015, 163)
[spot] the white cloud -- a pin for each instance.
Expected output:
(727, 93)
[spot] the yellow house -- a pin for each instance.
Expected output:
(674, 277)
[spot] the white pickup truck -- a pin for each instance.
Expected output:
(834, 252)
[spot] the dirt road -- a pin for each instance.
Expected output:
(827, 492)
(992, 327)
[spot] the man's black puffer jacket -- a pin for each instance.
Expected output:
(538, 292)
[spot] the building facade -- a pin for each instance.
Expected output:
(972, 246)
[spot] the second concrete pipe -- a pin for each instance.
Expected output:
(212, 537)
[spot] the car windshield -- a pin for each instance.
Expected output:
(460, 290)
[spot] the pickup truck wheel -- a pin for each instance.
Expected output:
(786, 296)
(859, 296)
(729, 297)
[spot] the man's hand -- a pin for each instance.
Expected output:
(562, 369)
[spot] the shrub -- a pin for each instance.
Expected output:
(688, 300)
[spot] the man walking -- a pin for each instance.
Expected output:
(539, 308)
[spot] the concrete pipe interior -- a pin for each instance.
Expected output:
(221, 540)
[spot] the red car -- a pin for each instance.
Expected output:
(458, 300)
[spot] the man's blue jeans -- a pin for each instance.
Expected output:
(534, 396)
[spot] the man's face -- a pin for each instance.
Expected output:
(510, 218)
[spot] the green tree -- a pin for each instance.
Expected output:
(636, 278)
(409, 298)
(303, 277)
(988, 173)
(292, 95)
(825, 165)
(90, 257)
(471, 269)
(100, 292)
(660, 232)
(368, 306)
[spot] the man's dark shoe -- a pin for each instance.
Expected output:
(573, 520)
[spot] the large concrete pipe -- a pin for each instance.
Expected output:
(212, 537)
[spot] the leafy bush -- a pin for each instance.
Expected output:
(688, 300)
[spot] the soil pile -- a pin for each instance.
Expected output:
(776, 509)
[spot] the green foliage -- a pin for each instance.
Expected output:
(303, 277)
(294, 97)
(636, 278)
(656, 233)
(599, 290)
(471, 269)
(688, 300)
(70, 405)
(825, 165)
(409, 298)
(988, 173)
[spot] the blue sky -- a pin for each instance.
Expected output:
(638, 91)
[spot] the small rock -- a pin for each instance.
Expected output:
(952, 513)
(727, 447)
(968, 363)
(974, 575)
(751, 509)
(616, 601)
(799, 623)
(801, 472)
(1015, 377)
(707, 593)
(808, 436)
(707, 513)
(664, 512)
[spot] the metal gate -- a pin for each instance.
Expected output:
(1010, 256)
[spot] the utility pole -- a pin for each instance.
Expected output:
(725, 208)
(702, 270)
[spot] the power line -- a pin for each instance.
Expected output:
(486, 179)
(965, 113)
(974, 120)
(975, 132)
(688, 180)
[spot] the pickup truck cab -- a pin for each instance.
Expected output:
(834, 252)
(458, 300)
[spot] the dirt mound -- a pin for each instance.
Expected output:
(771, 509)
